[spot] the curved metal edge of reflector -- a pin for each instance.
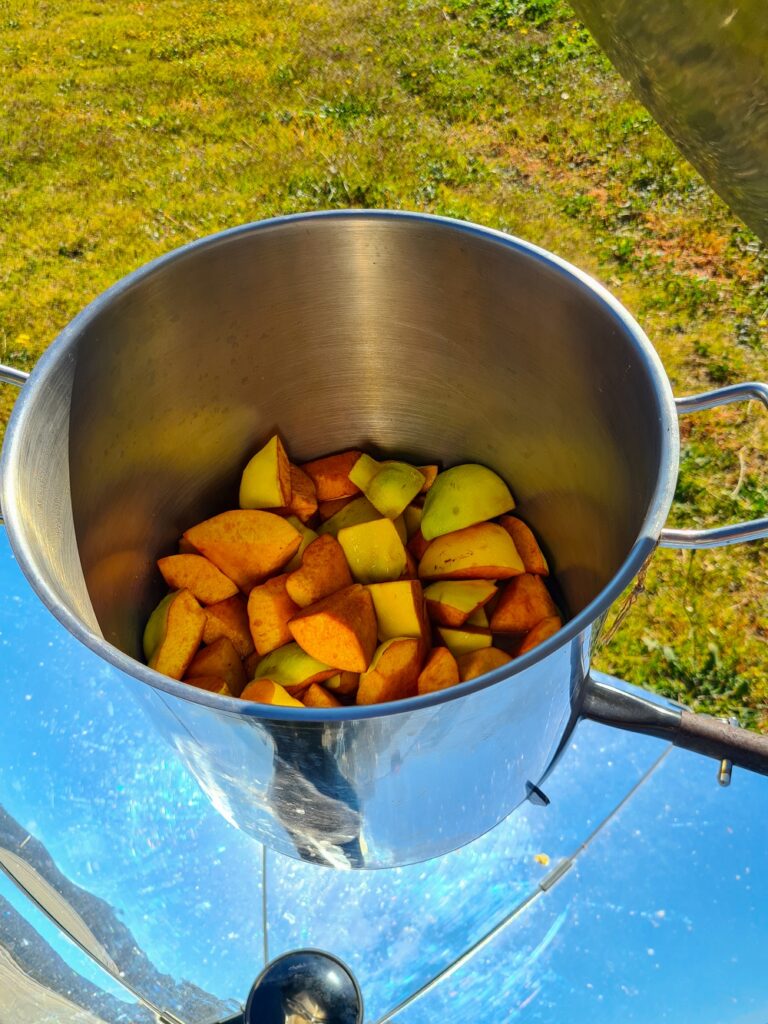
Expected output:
(702, 71)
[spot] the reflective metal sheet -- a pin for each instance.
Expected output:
(702, 71)
(661, 919)
(45, 979)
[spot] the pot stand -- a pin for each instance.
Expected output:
(124, 897)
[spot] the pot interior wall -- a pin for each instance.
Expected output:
(400, 336)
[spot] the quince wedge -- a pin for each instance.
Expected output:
(440, 671)
(462, 496)
(477, 663)
(374, 551)
(219, 660)
(307, 536)
(316, 696)
(292, 668)
(339, 630)
(264, 691)
(330, 475)
(526, 544)
(303, 503)
(266, 479)
(482, 551)
(229, 618)
(197, 575)
(270, 607)
(451, 602)
(173, 634)
(393, 673)
(352, 513)
(323, 571)
(464, 641)
(541, 631)
(393, 488)
(246, 544)
(522, 604)
(399, 607)
(213, 684)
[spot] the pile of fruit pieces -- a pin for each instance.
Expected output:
(349, 580)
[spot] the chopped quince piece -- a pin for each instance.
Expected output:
(316, 696)
(222, 660)
(429, 473)
(374, 551)
(196, 574)
(214, 684)
(393, 674)
(393, 487)
(483, 551)
(463, 641)
(229, 618)
(354, 511)
(451, 602)
(173, 634)
(541, 631)
(269, 608)
(331, 475)
(440, 671)
(526, 544)
(523, 603)
(344, 683)
(292, 668)
(363, 471)
(303, 503)
(327, 509)
(477, 663)
(266, 480)
(307, 536)
(246, 544)
(323, 571)
(463, 496)
(264, 691)
(399, 608)
(339, 630)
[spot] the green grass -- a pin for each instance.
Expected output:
(127, 129)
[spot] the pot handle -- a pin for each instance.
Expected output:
(8, 375)
(720, 535)
(605, 702)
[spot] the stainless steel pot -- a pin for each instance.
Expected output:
(408, 334)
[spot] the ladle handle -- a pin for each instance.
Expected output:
(607, 703)
(8, 375)
(738, 533)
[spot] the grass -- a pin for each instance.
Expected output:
(127, 129)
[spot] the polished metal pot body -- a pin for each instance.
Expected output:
(398, 333)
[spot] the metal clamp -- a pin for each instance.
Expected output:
(8, 375)
(738, 533)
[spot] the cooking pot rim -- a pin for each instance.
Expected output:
(62, 349)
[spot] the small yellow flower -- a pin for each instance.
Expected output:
(542, 858)
(369, 49)
(348, 81)
(413, 74)
(523, 31)
(23, 339)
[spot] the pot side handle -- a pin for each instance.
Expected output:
(10, 376)
(721, 535)
(605, 702)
